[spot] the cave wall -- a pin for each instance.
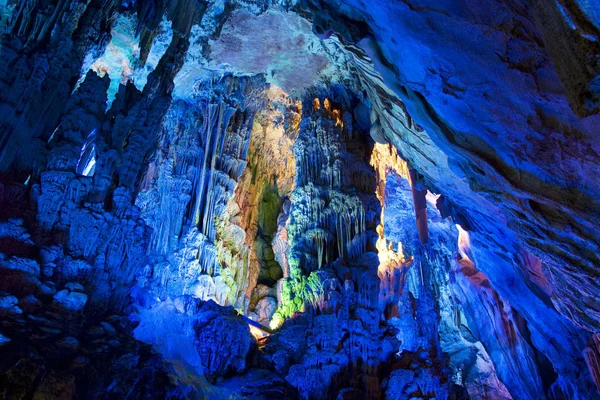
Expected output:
(487, 119)
(493, 64)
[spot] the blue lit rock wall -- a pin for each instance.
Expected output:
(489, 144)
(432, 106)
(73, 241)
(187, 189)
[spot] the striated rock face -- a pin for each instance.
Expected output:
(299, 199)
(431, 109)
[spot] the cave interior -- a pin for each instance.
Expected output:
(299, 199)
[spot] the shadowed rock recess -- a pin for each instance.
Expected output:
(300, 199)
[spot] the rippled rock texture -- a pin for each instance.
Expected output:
(299, 199)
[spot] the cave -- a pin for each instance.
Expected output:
(299, 199)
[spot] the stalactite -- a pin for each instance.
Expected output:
(420, 207)
(329, 229)
(203, 144)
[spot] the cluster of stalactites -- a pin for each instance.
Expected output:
(320, 149)
(226, 137)
(203, 154)
(333, 278)
(35, 23)
(330, 222)
(207, 188)
(328, 218)
(205, 158)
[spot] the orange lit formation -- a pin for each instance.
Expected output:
(392, 261)
(464, 243)
(385, 159)
(333, 113)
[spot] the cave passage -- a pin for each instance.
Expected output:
(298, 199)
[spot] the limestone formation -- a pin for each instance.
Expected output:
(299, 199)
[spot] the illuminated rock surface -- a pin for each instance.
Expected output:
(299, 199)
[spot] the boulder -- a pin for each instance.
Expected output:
(223, 340)
(73, 301)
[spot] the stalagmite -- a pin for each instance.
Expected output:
(420, 204)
